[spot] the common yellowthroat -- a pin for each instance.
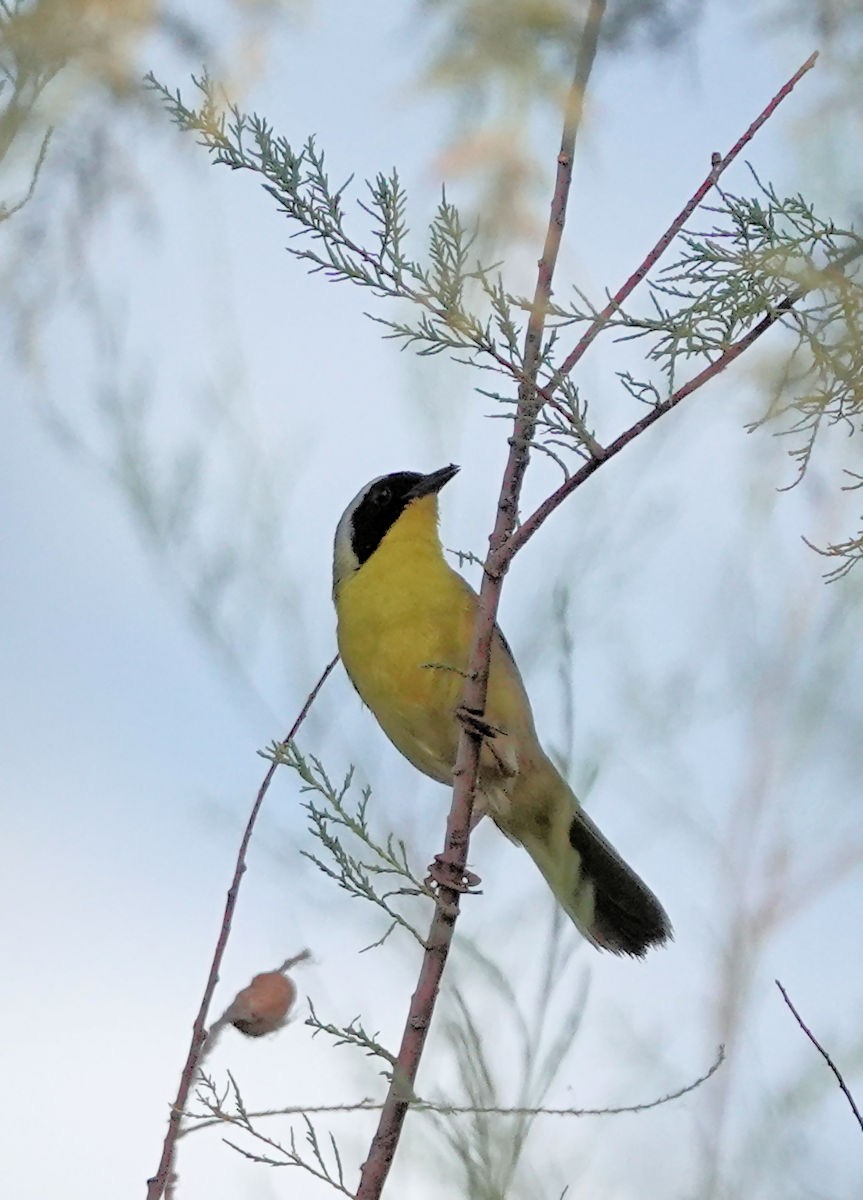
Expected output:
(404, 617)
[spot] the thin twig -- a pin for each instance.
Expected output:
(572, 120)
(830, 1063)
(157, 1185)
(532, 523)
(6, 213)
(718, 166)
(468, 1110)
(452, 862)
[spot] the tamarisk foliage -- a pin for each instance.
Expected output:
(761, 257)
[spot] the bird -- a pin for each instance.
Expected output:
(405, 623)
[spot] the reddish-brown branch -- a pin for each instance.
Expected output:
(453, 860)
(563, 181)
(160, 1181)
(718, 166)
(503, 544)
(532, 523)
(814, 1040)
(528, 400)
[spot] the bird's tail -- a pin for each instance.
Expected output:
(611, 906)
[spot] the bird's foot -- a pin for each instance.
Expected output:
(443, 873)
(475, 723)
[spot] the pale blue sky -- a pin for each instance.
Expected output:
(129, 752)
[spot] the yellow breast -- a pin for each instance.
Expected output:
(405, 623)
(404, 626)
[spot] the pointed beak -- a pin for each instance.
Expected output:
(430, 484)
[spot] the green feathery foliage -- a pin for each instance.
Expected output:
(765, 259)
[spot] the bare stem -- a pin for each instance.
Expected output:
(157, 1186)
(453, 860)
(718, 166)
(532, 523)
(830, 1063)
(468, 1110)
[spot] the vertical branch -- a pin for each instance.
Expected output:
(161, 1181)
(453, 860)
(528, 400)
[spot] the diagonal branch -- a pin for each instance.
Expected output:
(161, 1181)
(453, 860)
(718, 166)
(532, 523)
(813, 1039)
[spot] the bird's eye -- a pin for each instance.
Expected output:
(383, 496)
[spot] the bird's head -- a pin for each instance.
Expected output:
(375, 510)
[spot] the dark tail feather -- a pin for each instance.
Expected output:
(627, 917)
